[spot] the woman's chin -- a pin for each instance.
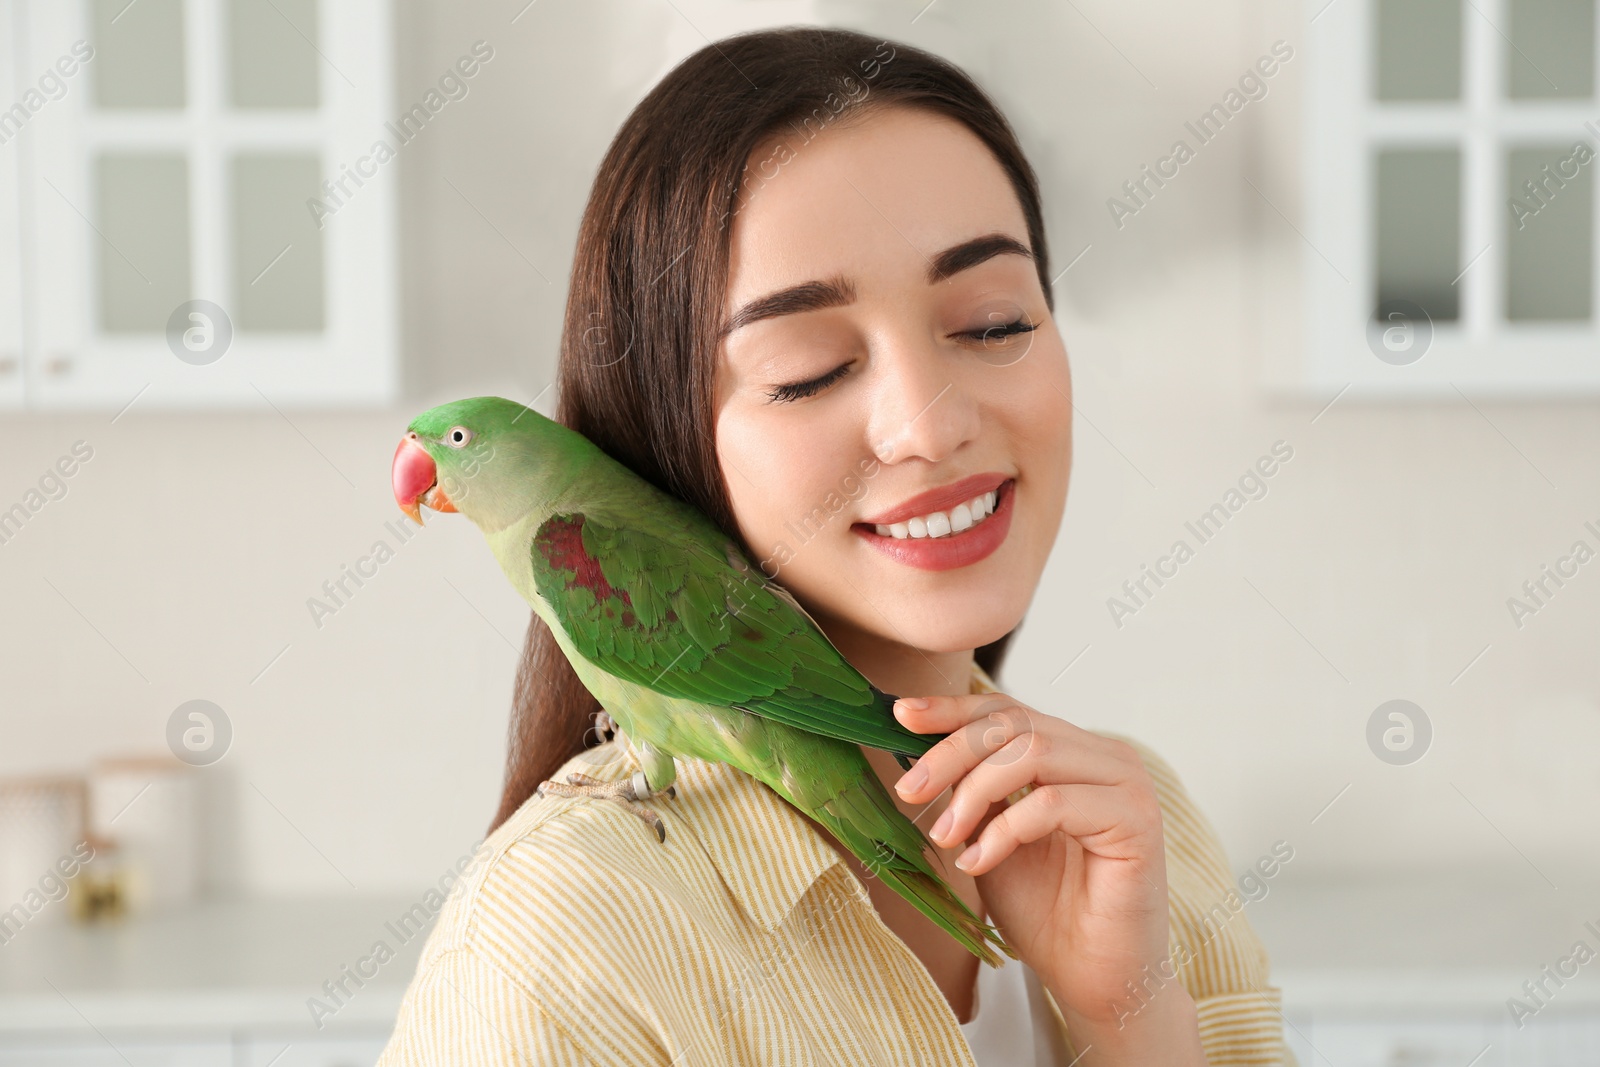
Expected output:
(933, 611)
(949, 623)
(954, 638)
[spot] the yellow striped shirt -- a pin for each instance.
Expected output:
(581, 940)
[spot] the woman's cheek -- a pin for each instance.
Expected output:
(1047, 400)
(755, 487)
(780, 502)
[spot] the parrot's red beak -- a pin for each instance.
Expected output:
(416, 480)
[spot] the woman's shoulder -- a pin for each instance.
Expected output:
(1197, 863)
(551, 866)
(523, 955)
(1183, 821)
(1214, 948)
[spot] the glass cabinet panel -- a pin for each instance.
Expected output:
(138, 54)
(274, 52)
(1549, 232)
(1550, 49)
(142, 242)
(277, 248)
(1417, 50)
(1416, 233)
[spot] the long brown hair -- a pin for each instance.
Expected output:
(650, 273)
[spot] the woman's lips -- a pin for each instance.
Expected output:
(952, 550)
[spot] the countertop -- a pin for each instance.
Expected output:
(1400, 944)
(236, 963)
(1426, 941)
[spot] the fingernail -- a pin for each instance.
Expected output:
(913, 703)
(913, 780)
(968, 859)
(942, 825)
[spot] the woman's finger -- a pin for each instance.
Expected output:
(1108, 821)
(946, 714)
(1074, 753)
(996, 778)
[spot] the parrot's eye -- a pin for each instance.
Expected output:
(458, 437)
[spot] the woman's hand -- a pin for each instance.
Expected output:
(1073, 874)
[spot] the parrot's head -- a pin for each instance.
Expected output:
(491, 459)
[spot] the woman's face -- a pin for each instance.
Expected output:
(906, 392)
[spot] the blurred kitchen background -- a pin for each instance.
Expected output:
(1372, 264)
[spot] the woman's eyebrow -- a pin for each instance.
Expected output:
(839, 290)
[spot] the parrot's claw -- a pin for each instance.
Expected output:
(579, 778)
(624, 791)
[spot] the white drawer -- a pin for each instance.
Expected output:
(1445, 1039)
(75, 1051)
(321, 1052)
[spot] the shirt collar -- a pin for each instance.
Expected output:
(766, 852)
(981, 682)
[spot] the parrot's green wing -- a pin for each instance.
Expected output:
(671, 614)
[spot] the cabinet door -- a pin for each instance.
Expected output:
(1476, 1036)
(174, 245)
(316, 1052)
(115, 1052)
(1450, 232)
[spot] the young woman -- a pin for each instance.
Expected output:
(811, 296)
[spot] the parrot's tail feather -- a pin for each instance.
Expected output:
(865, 820)
(949, 912)
(919, 743)
(885, 700)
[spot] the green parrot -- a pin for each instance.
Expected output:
(682, 640)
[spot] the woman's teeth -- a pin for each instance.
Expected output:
(943, 523)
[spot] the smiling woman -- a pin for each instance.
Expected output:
(879, 318)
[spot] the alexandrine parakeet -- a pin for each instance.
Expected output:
(684, 642)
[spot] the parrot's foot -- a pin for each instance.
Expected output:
(579, 778)
(625, 791)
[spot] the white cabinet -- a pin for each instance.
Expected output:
(1450, 233)
(330, 1052)
(180, 1050)
(221, 983)
(80, 1052)
(193, 207)
(1409, 1041)
(1480, 1037)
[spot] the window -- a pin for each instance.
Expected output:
(166, 177)
(1451, 151)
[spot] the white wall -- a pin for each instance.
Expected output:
(1378, 565)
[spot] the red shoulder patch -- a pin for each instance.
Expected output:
(562, 547)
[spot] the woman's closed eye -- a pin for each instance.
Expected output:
(985, 335)
(1000, 331)
(785, 393)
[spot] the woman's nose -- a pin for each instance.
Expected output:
(922, 408)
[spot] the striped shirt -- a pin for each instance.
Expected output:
(580, 940)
